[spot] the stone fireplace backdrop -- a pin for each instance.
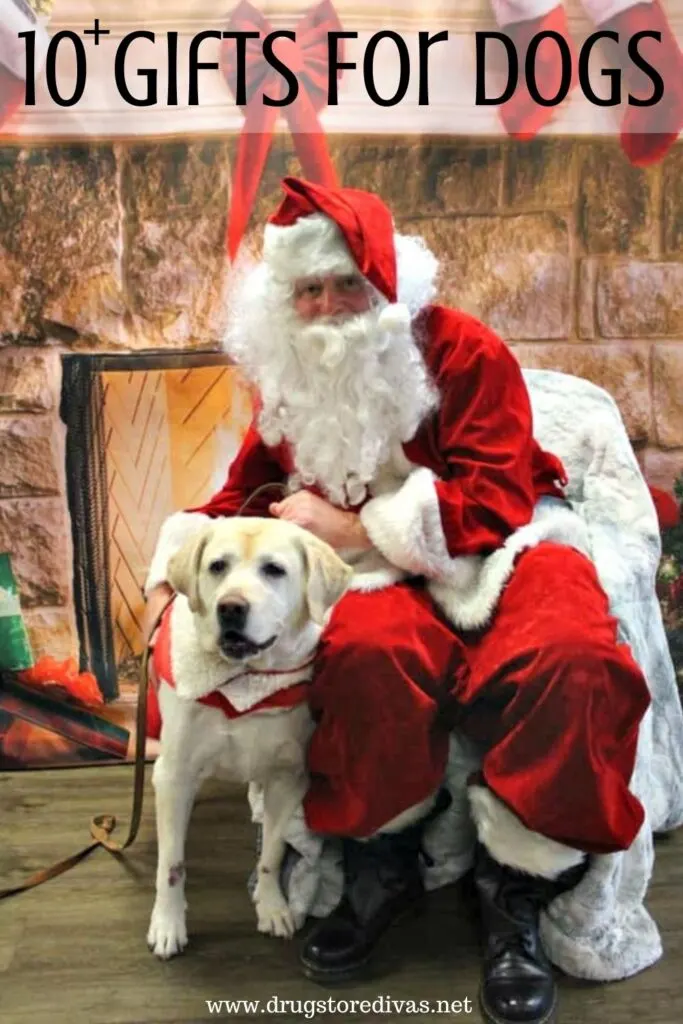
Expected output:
(573, 256)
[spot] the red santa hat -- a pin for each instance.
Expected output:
(320, 230)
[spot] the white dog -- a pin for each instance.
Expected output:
(233, 652)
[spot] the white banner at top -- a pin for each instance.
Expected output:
(119, 68)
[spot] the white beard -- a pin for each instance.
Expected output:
(342, 393)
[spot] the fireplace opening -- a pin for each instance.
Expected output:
(147, 434)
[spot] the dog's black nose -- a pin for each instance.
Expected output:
(232, 614)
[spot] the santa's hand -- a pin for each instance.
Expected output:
(336, 527)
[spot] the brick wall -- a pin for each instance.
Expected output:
(570, 254)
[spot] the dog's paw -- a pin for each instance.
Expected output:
(167, 935)
(275, 920)
(272, 911)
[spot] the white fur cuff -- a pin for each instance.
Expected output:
(511, 843)
(175, 530)
(406, 526)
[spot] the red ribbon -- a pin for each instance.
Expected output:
(307, 59)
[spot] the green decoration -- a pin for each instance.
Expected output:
(15, 647)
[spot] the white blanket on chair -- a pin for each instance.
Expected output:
(601, 930)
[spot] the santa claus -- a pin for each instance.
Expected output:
(648, 130)
(402, 433)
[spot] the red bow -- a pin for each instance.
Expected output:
(307, 59)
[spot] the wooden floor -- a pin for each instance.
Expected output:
(73, 951)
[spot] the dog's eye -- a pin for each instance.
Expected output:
(218, 566)
(273, 570)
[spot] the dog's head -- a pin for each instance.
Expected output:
(249, 581)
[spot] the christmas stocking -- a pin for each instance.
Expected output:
(11, 94)
(17, 16)
(521, 20)
(646, 132)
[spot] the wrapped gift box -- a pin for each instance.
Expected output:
(41, 729)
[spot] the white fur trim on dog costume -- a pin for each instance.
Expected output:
(511, 843)
(175, 531)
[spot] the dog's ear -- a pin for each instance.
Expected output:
(327, 577)
(183, 569)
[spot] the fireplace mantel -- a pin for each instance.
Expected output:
(102, 113)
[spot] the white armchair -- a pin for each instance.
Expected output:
(581, 424)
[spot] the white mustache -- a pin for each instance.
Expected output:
(331, 336)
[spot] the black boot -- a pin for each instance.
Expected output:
(518, 986)
(382, 882)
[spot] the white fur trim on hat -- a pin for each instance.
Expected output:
(394, 318)
(313, 245)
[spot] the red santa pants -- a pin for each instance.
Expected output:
(547, 691)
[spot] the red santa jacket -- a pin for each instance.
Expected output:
(488, 470)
